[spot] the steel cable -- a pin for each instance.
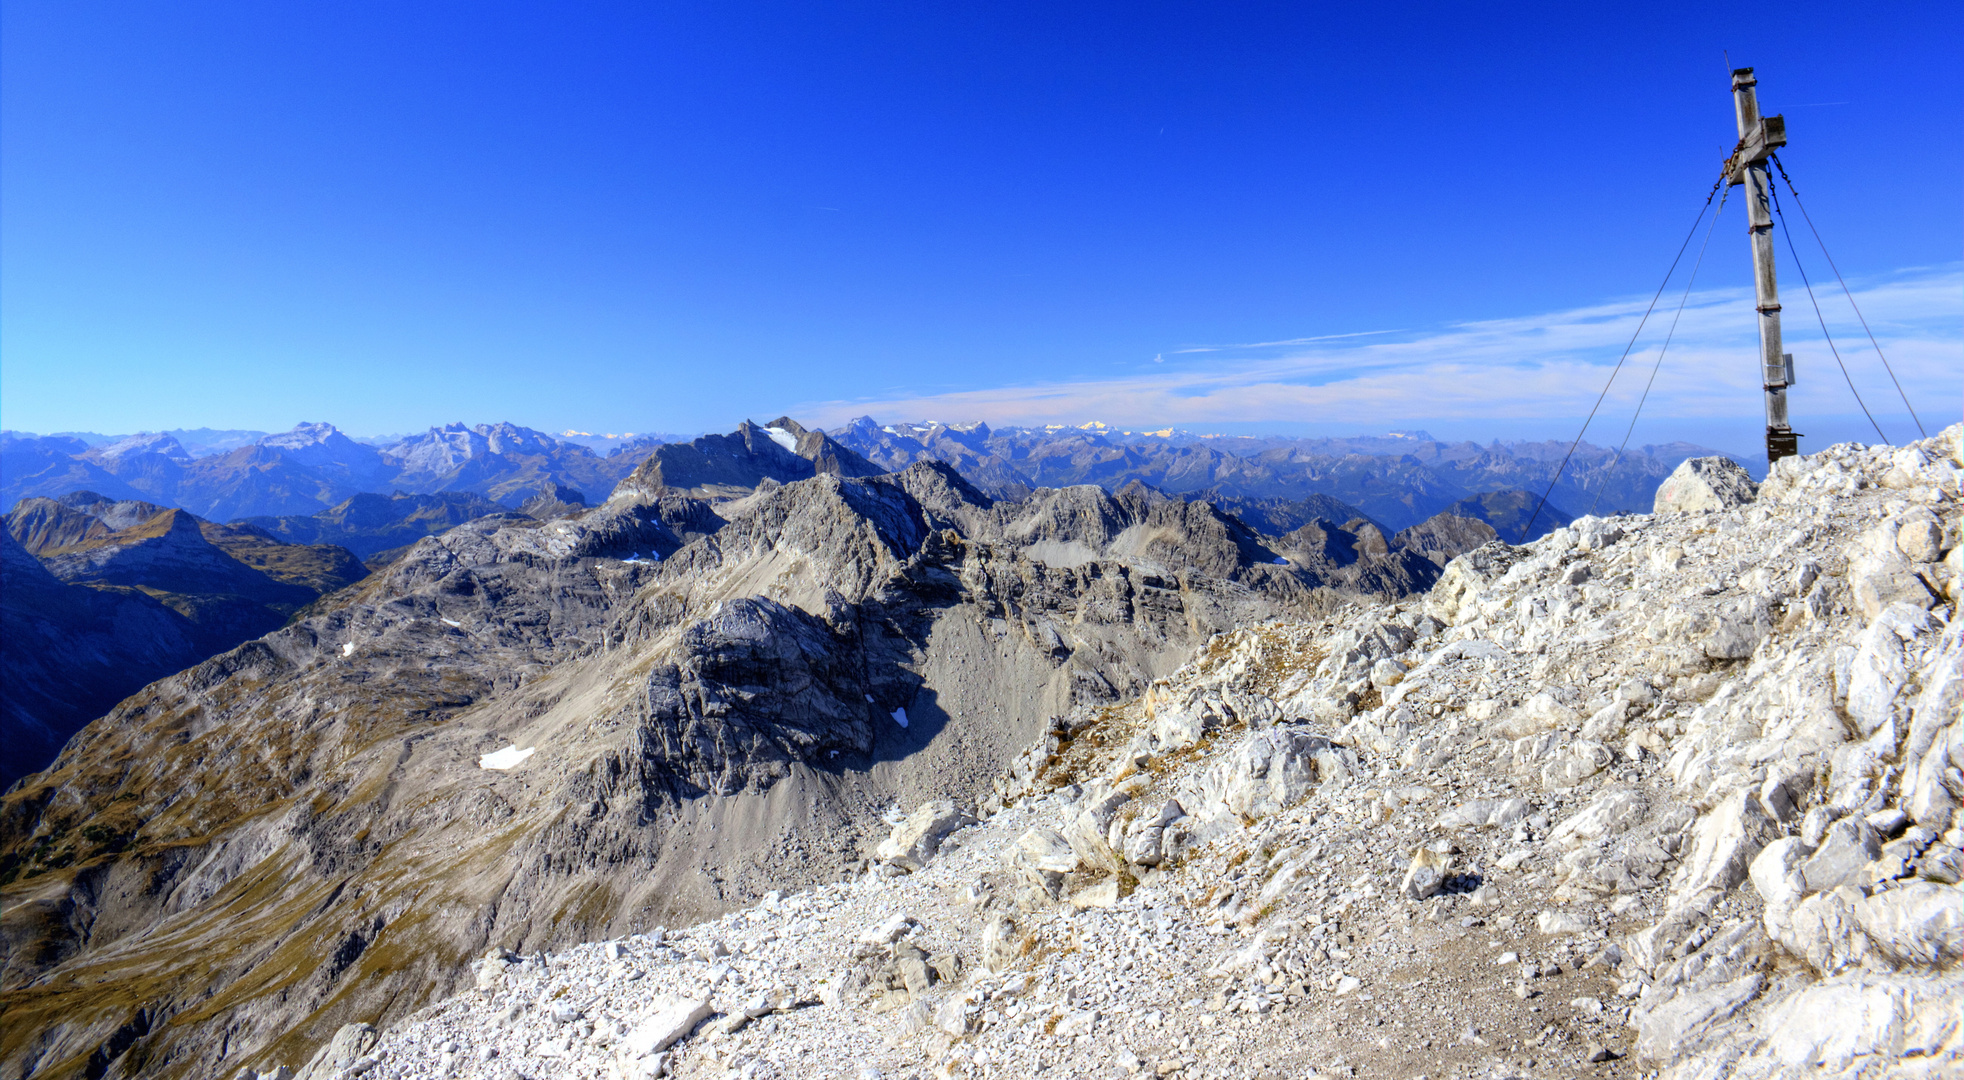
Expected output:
(1559, 469)
(1818, 317)
(1672, 333)
(1802, 207)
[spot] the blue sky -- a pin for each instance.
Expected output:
(667, 217)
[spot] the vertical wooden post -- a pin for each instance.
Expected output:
(1757, 138)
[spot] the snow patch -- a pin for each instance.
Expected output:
(869, 699)
(900, 716)
(1281, 562)
(348, 649)
(509, 757)
(783, 438)
(452, 622)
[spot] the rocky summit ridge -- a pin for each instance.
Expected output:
(1672, 794)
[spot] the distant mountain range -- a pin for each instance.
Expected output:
(1399, 480)
(309, 469)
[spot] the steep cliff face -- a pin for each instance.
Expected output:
(546, 731)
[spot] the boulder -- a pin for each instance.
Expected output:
(1001, 944)
(915, 840)
(1880, 669)
(1089, 831)
(1849, 845)
(1776, 876)
(1821, 930)
(1426, 875)
(349, 1044)
(1723, 844)
(1665, 1032)
(1145, 838)
(670, 1020)
(1868, 1018)
(1705, 484)
(1881, 576)
(1269, 771)
(1484, 813)
(1921, 923)
(1044, 857)
(1609, 813)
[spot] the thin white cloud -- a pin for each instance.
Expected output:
(1540, 366)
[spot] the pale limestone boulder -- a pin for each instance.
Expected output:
(1881, 576)
(349, 1044)
(1611, 812)
(1703, 485)
(1426, 875)
(1001, 944)
(1921, 923)
(671, 1019)
(1920, 537)
(915, 840)
(1881, 665)
(1831, 1026)
(1145, 837)
(1577, 762)
(1776, 876)
(1823, 931)
(1668, 1030)
(1267, 772)
(1044, 857)
(1849, 846)
(1484, 814)
(1089, 831)
(1723, 845)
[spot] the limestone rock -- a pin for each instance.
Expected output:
(1921, 923)
(1724, 843)
(1703, 485)
(1850, 845)
(1044, 857)
(348, 1045)
(670, 1020)
(1001, 944)
(915, 840)
(1830, 1026)
(1425, 875)
(1665, 1032)
(1266, 772)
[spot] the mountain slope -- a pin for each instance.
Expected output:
(719, 698)
(71, 653)
(121, 593)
